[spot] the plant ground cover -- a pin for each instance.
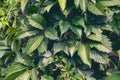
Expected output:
(59, 39)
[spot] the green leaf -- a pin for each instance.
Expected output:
(24, 4)
(113, 76)
(34, 74)
(107, 28)
(2, 54)
(84, 52)
(77, 31)
(83, 5)
(14, 71)
(46, 77)
(67, 11)
(33, 44)
(59, 46)
(19, 59)
(47, 58)
(43, 46)
(15, 46)
(95, 37)
(99, 57)
(62, 4)
(14, 22)
(78, 21)
(49, 6)
(100, 47)
(47, 54)
(64, 26)
(110, 2)
(77, 3)
(96, 30)
(37, 21)
(1, 25)
(79, 75)
(25, 34)
(106, 42)
(73, 49)
(51, 34)
(24, 76)
(119, 53)
(94, 9)
(4, 47)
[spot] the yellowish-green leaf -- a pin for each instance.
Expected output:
(62, 4)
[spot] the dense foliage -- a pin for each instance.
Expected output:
(59, 39)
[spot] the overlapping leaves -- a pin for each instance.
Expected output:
(56, 39)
